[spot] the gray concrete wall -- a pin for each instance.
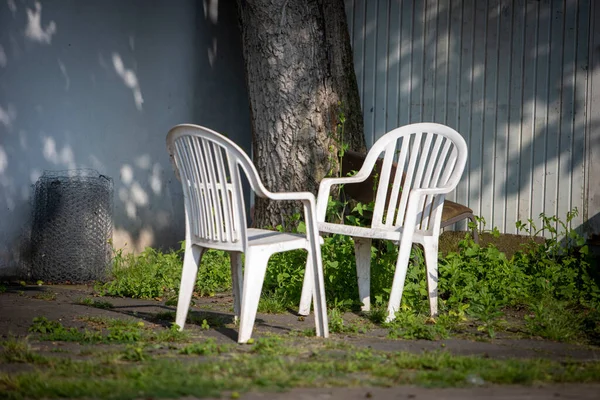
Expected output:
(97, 84)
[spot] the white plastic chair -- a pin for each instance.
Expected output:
(432, 158)
(208, 166)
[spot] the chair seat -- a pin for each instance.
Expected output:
(361, 231)
(285, 241)
(394, 234)
(454, 212)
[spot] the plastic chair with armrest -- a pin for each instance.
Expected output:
(208, 166)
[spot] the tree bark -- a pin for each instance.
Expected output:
(300, 77)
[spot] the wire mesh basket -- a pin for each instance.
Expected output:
(72, 226)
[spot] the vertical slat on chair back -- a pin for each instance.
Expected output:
(210, 177)
(426, 156)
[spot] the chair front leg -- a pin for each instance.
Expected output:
(362, 251)
(254, 276)
(191, 260)
(316, 263)
(430, 246)
(399, 275)
(236, 281)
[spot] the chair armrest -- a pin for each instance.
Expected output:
(290, 196)
(310, 215)
(325, 188)
(307, 199)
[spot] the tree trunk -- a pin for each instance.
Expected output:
(300, 77)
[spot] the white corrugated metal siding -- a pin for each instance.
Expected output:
(509, 75)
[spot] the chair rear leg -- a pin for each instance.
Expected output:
(307, 289)
(254, 275)
(362, 251)
(236, 281)
(431, 262)
(191, 260)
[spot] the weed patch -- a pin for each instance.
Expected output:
(15, 350)
(408, 325)
(55, 331)
(134, 353)
(270, 303)
(103, 305)
(105, 330)
(154, 274)
(338, 325)
(554, 320)
(207, 348)
(48, 296)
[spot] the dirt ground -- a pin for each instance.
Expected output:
(20, 304)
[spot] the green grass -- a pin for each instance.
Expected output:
(18, 350)
(554, 320)
(134, 353)
(410, 326)
(272, 363)
(104, 305)
(48, 296)
(337, 324)
(156, 275)
(105, 330)
(207, 348)
(269, 303)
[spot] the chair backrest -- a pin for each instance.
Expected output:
(425, 155)
(208, 166)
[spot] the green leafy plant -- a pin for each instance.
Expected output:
(409, 325)
(336, 322)
(44, 325)
(205, 326)
(488, 312)
(135, 353)
(562, 266)
(125, 332)
(55, 331)
(154, 274)
(207, 348)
